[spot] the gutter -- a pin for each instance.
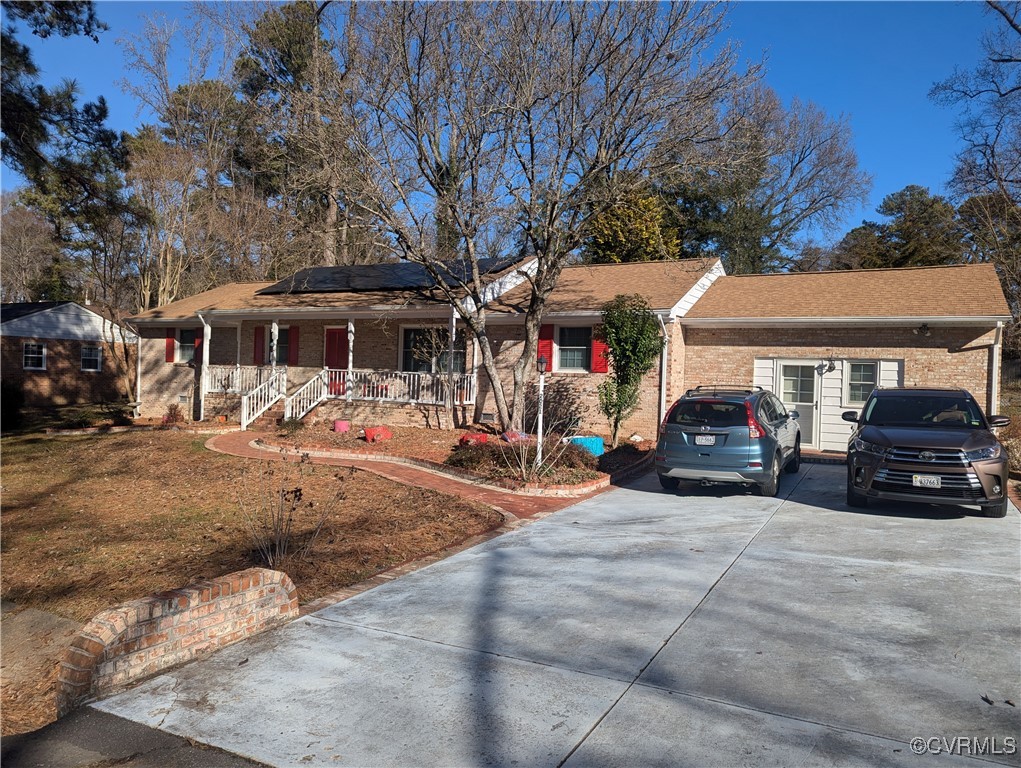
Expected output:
(786, 322)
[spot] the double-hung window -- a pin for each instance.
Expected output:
(34, 357)
(92, 359)
(186, 345)
(574, 348)
(862, 378)
(283, 345)
(427, 350)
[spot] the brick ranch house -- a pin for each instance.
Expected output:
(62, 353)
(375, 343)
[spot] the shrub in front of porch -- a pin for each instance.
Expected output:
(563, 464)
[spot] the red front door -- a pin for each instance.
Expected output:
(336, 348)
(336, 359)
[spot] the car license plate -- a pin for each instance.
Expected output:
(926, 481)
(705, 439)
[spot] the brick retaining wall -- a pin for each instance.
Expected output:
(139, 639)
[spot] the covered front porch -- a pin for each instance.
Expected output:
(260, 387)
(306, 363)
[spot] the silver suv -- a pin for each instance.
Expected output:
(726, 434)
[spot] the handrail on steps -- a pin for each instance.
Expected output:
(260, 399)
(308, 396)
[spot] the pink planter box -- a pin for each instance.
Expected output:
(341, 426)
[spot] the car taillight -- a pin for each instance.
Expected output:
(755, 430)
(662, 426)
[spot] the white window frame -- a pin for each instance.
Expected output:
(555, 365)
(848, 402)
(178, 346)
(432, 326)
(98, 358)
(42, 354)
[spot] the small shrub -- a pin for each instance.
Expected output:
(83, 418)
(562, 463)
(12, 400)
(291, 427)
(174, 415)
(282, 522)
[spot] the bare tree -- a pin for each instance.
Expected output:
(504, 128)
(29, 245)
(787, 168)
(987, 177)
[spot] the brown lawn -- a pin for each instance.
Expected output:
(92, 521)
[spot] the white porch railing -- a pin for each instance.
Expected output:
(308, 396)
(236, 379)
(259, 400)
(400, 386)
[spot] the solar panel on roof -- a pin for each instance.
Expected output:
(375, 277)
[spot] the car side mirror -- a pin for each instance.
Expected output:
(851, 416)
(999, 421)
(794, 415)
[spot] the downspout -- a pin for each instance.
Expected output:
(994, 385)
(207, 336)
(662, 370)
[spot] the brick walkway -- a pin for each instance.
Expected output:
(514, 505)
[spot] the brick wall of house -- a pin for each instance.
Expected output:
(64, 382)
(141, 638)
(164, 383)
(575, 392)
(948, 357)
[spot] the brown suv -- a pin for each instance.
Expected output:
(928, 445)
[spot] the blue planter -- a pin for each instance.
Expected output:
(593, 445)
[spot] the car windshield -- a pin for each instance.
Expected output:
(714, 413)
(923, 411)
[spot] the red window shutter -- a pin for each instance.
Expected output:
(292, 345)
(171, 345)
(198, 346)
(600, 362)
(259, 356)
(546, 344)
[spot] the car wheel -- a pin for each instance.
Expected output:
(996, 510)
(794, 464)
(855, 498)
(669, 483)
(772, 485)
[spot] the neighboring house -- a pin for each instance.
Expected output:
(61, 353)
(376, 342)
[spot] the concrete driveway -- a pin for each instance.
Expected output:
(643, 627)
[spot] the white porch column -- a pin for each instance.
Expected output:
(207, 335)
(274, 330)
(350, 357)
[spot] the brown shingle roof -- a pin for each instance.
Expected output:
(965, 290)
(586, 288)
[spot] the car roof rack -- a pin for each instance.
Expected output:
(715, 389)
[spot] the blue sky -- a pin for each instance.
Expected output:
(871, 61)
